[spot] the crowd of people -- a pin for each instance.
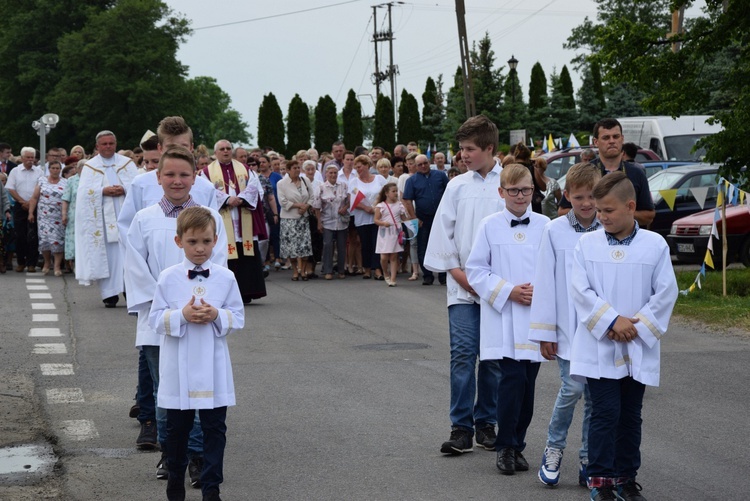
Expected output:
(496, 230)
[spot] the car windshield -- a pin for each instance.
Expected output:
(663, 180)
(681, 147)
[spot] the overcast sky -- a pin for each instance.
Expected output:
(328, 50)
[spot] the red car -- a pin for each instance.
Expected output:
(689, 236)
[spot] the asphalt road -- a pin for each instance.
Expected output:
(342, 390)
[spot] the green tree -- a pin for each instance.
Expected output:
(210, 116)
(270, 124)
(326, 126)
(623, 101)
(538, 102)
(352, 121)
(433, 112)
(297, 126)
(514, 109)
(562, 117)
(409, 126)
(385, 126)
(566, 88)
(121, 79)
(487, 80)
(455, 108)
(590, 106)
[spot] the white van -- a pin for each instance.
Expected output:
(670, 138)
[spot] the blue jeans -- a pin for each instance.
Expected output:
(615, 429)
(195, 444)
(179, 424)
(145, 395)
(466, 385)
(565, 405)
(516, 405)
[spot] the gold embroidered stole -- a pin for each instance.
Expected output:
(216, 176)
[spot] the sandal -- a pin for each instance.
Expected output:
(45, 271)
(413, 277)
(295, 276)
(58, 273)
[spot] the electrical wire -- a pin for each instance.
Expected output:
(354, 58)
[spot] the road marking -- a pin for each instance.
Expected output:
(37, 288)
(64, 396)
(45, 332)
(43, 306)
(57, 370)
(44, 317)
(34, 280)
(79, 429)
(49, 349)
(40, 295)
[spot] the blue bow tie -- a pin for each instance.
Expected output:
(194, 273)
(516, 222)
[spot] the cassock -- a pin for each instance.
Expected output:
(234, 180)
(635, 281)
(98, 253)
(501, 258)
(150, 250)
(195, 371)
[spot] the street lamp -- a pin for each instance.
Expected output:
(513, 63)
(42, 128)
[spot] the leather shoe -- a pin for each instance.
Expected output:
(20, 268)
(31, 269)
(521, 463)
(111, 302)
(428, 281)
(506, 461)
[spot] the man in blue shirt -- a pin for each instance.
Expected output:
(424, 189)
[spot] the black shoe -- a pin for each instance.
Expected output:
(111, 301)
(506, 461)
(212, 495)
(604, 494)
(134, 411)
(195, 468)
(147, 437)
(521, 463)
(162, 472)
(428, 281)
(459, 443)
(630, 491)
(486, 436)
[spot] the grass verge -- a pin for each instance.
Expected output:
(707, 304)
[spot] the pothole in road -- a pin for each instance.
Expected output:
(392, 346)
(38, 459)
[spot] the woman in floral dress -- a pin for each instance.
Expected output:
(47, 200)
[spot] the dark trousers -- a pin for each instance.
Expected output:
(368, 238)
(145, 395)
(328, 237)
(275, 238)
(179, 424)
(615, 427)
(515, 402)
(27, 239)
(423, 236)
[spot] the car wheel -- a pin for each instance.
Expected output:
(745, 252)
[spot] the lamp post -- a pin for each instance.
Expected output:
(42, 128)
(513, 63)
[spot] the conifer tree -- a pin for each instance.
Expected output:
(409, 127)
(270, 124)
(326, 125)
(297, 126)
(385, 125)
(352, 122)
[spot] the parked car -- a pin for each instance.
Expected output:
(654, 166)
(558, 162)
(681, 179)
(689, 236)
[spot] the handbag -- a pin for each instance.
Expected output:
(400, 233)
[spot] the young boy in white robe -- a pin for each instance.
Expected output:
(500, 269)
(467, 200)
(624, 288)
(150, 249)
(553, 317)
(197, 303)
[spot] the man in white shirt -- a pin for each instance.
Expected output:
(22, 182)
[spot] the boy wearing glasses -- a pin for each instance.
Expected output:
(500, 269)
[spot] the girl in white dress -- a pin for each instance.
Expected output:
(389, 212)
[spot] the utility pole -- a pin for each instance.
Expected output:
(463, 43)
(392, 70)
(385, 36)
(376, 76)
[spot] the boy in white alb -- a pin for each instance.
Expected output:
(467, 200)
(500, 269)
(196, 305)
(553, 317)
(624, 288)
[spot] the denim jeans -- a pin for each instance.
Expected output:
(466, 384)
(565, 405)
(179, 423)
(195, 444)
(328, 237)
(515, 405)
(145, 395)
(615, 428)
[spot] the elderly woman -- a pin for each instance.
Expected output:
(332, 210)
(69, 214)
(295, 195)
(310, 169)
(47, 200)
(363, 192)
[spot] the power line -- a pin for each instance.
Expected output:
(343, 82)
(276, 15)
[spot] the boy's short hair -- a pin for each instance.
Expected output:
(349, 152)
(173, 126)
(179, 153)
(150, 144)
(481, 131)
(198, 218)
(364, 160)
(412, 156)
(617, 184)
(582, 175)
(514, 174)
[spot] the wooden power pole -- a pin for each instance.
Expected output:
(463, 42)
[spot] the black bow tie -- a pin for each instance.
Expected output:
(194, 273)
(516, 222)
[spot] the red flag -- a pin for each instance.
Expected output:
(357, 199)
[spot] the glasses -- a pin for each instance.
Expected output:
(515, 191)
(225, 148)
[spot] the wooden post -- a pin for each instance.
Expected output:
(724, 241)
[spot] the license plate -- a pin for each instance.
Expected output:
(686, 248)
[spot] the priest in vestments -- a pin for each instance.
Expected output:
(104, 181)
(238, 194)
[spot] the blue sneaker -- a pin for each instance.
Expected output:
(582, 476)
(549, 472)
